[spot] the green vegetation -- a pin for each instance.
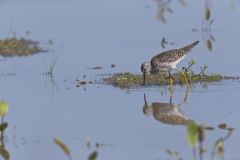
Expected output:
(3, 108)
(196, 137)
(50, 67)
(195, 134)
(64, 147)
(93, 154)
(192, 134)
(3, 126)
(19, 47)
(126, 80)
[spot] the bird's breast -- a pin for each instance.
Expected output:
(161, 68)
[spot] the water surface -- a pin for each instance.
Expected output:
(87, 34)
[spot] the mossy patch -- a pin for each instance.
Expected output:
(19, 47)
(126, 80)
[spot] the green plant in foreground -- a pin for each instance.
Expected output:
(193, 136)
(64, 147)
(218, 147)
(188, 70)
(3, 125)
(3, 111)
(92, 156)
(196, 136)
(3, 108)
(173, 154)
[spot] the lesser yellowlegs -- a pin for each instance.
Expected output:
(166, 112)
(166, 61)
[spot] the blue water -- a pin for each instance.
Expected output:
(87, 34)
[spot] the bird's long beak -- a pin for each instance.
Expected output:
(144, 78)
(145, 99)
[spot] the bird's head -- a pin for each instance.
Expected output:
(146, 69)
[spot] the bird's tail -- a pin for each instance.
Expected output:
(188, 48)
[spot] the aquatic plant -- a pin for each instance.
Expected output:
(173, 153)
(207, 26)
(50, 66)
(3, 108)
(93, 153)
(218, 147)
(188, 70)
(3, 125)
(203, 70)
(164, 8)
(19, 47)
(196, 137)
(192, 134)
(127, 80)
(64, 147)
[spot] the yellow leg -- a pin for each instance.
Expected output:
(144, 78)
(171, 86)
(185, 77)
(186, 95)
(171, 83)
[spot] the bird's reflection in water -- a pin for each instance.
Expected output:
(166, 113)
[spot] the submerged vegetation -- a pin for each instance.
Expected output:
(19, 47)
(126, 80)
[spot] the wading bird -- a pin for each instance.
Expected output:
(166, 62)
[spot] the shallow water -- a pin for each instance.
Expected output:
(87, 34)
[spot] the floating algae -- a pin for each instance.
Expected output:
(19, 47)
(126, 80)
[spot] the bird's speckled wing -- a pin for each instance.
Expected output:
(171, 56)
(167, 56)
(166, 60)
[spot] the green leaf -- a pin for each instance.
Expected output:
(222, 126)
(220, 149)
(3, 108)
(172, 153)
(207, 13)
(93, 155)
(3, 126)
(209, 44)
(193, 61)
(4, 153)
(63, 146)
(201, 133)
(192, 134)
